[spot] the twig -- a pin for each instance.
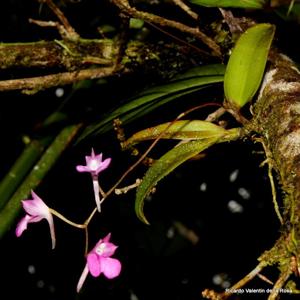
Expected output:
(42, 82)
(275, 203)
(86, 240)
(246, 279)
(270, 175)
(209, 294)
(126, 8)
(186, 8)
(70, 31)
(280, 282)
(231, 21)
(132, 167)
(178, 39)
(125, 189)
(216, 114)
(264, 278)
(186, 232)
(60, 28)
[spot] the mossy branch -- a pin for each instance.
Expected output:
(276, 117)
(59, 53)
(125, 7)
(34, 84)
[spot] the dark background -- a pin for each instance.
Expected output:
(158, 262)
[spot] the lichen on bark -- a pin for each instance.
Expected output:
(276, 124)
(276, 120)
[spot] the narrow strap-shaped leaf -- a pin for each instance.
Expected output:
(175, 157)
(154, 97)
(38, 172)
(163, 166)
(21, 167)
(247, 63)
(231, 3)
(133, 114)
(181, 130)
(30, 155)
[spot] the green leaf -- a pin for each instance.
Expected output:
(163, 166)
(212, 134)
(38, 172)
(21, 167)
(231, 3)
(181, 130)
(247, 63)
(30, 155)
(136, 23)
(291, 13)
(152, 98)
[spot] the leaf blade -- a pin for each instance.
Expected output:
(166, 164)
(247, 63)
(179, 130)
(256, 4)
(152, 98)
(37, 173)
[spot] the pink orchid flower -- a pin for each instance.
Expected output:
(99, 261)
(95, 165)
(36, 210)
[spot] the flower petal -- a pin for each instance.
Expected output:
(93, 263)
(82, 169)
(35, 207)
(52, 231)
(82, 278)
(107, 238)
(110, 267)
(22, 225)
(109, 249)
(103, 165)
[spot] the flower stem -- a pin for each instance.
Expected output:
(60, 216)
(88, 220)
(97, 193)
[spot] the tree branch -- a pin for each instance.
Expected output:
(124, 6)
(35, 84)
(70, 32)
(58, 53)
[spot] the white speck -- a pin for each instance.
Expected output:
(225, 284)
(203, 187)
(217, 279)
(233, 175)
(31, 269)
(59, 92)
(244, 193)
(235, 207)
(170, 233)
(40, 284)
(149, 198)
(184, 281)
(133, 296)
(36, 167)
(52, 288)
